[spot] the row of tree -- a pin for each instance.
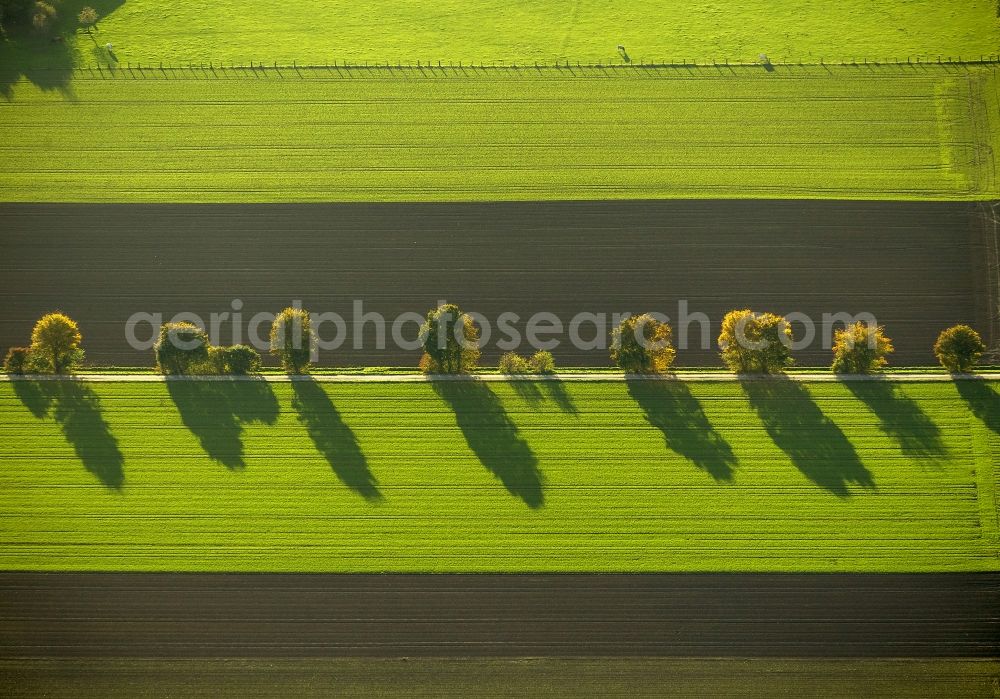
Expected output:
(750, 342)
(184, 348)
(760, 343)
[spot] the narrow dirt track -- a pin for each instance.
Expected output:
(917, 267)
(180, 615)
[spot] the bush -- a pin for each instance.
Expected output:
(860, 349)
(292, 340)
(542, 362)
(959, 348)
(513, 363)
(87, 17)
(652, 354)
(16, 360)
(214, 363)
(755, 342)
(55, 345)
(240, 360)
(181, 348)
(443, 352)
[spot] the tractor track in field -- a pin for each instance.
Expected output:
(918, 267)
(223, 615)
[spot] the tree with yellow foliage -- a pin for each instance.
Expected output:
(55, 344)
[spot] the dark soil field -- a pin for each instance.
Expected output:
(257, 616)
(918, 267)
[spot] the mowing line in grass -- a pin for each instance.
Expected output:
(442, 135)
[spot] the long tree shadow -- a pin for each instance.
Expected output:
(333, 438)
(534, 393)
(494, 438)
(671, 407)
(900, 417)
(557, 393)
(811, 440)
(37, 396)
(528, 391)
(216, 411)
(983, 401)
(77, 409)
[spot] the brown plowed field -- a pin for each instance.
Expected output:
(201, 616)
(917, 267)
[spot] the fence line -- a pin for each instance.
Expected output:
(613, 63)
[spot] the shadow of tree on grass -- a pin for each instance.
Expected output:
(534, 393)
(216, 411)
(333, 438)
(47, 58)
(36, 396)
(900, 417)
(671, 407)
(494, 438)
(982, 400)
(811, 440)
(77, 409)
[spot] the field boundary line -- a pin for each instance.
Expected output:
(800, 377)
(612, 63)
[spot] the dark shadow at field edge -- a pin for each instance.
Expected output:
(900, 417)
(215, 412)
(333, 438)
(77, 409)
(812, 441)
(982, 400)
(673, 409)
(494, 438)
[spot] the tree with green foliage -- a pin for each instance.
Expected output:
(55, 345)
(38, 13)
(541, 362)
(181, 348)
(44, 15)
(450, 341)
(755, 342)
(512, 363)
(860, 349)
(87, 18)
(240, 360)
(292, 340)
(959, 348)
(17, 360)
(642, 345)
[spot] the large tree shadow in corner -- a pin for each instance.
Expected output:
(983, 401)
(216, 410)
(671, 407)
(811, 440)
(494, 438)
(333, 438)
(77, 409)
(900, 417)
(46, 58)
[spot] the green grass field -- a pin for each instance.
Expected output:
(585, 30)
(336, 135)
(648, 476)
